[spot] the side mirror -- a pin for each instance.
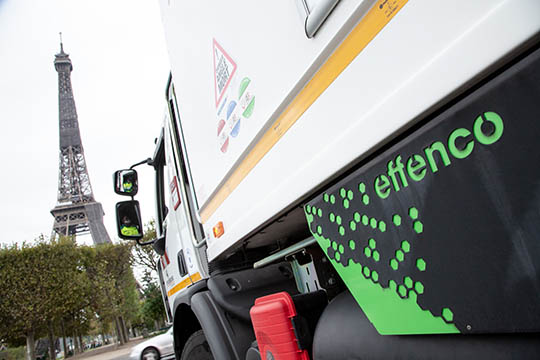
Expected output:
(125, 182)
(128, 220)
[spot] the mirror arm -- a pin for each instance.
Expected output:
(150, 242)
(145, 161)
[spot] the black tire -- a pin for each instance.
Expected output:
(150, 353)
(197, 348)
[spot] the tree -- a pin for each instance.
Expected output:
(44, 286)
(108, 267)
(28, 289)
(145, 256)
(59, 285)
(152, 308)
(71, 288)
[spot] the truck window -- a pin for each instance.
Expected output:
(162, 195)
(182, 163)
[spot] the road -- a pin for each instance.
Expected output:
(109, 352)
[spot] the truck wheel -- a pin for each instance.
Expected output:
(196, 348)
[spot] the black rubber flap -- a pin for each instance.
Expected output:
(455, 208)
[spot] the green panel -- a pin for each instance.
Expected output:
(392, 308)
(442, 203)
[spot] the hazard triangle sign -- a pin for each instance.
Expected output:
(224, 69)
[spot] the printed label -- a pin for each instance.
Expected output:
(235, 99)
(224, 69)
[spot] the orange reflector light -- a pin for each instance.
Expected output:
(218, 229)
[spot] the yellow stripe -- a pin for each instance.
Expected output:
(373, 22)
(196, 277)
(184, 283)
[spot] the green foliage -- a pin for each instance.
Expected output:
(152, 308)
(28, 280)
(12, 353)
(145, 256)
(130, 306)
(51, 283)
(114, 293)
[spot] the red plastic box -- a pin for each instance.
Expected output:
(272, 321)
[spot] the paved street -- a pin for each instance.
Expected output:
(109, 352)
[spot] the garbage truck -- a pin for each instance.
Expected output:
(350, 179)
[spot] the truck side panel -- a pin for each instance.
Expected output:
(220, 56)
(401, 75)
(427, 53)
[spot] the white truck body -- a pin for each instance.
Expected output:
(383, 91)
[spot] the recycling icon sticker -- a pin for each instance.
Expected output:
(235, 100)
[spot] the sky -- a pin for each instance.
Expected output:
(120, 70)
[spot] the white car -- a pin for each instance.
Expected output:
(158, 347)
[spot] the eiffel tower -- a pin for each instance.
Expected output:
(76, 211)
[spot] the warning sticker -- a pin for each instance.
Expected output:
(235, 99)
(175, 194)
(224, 69)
